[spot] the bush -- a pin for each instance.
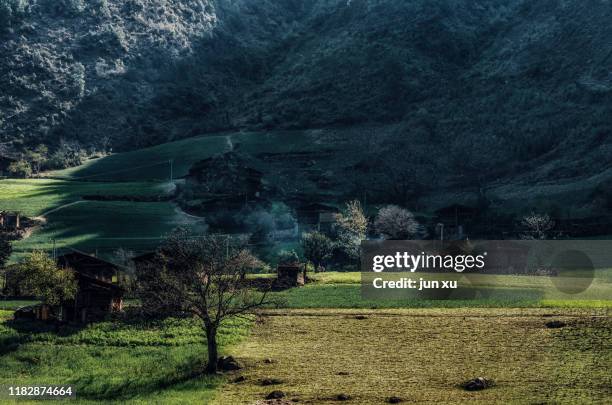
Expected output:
(21, 169)
(68, 154)
(396, 223)
(288, 257)
(5, 250)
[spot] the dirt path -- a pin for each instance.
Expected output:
(61, 207)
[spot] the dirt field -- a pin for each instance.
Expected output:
(423, 355)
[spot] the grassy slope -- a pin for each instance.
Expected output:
(151, 164)
(423, 355)
(36, 196)
(113, 362)
(107, 226)
(91, 225)
(134, 225)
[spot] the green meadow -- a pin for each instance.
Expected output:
(343, 290)
(105, 226)
(134, 361)
(33, 197)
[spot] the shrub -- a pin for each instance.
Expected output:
(537, 226)
(317, 249)
(42, 278)
(394, 222)
(21, 169)
(288, 257)
(351, 226)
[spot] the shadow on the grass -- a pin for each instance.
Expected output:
(22, 331)
(194, 368)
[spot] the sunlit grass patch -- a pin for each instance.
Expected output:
(422, 355)
(115, 361)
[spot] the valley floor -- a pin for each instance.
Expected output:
(423, 355)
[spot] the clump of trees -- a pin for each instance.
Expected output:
(396, 223)
(203, 276)
(265, 222)
(318, 248)
(68, 154)
(537, 226)
(288, 257)
(11, 11)
(33, 160)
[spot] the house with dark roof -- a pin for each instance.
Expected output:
(98, 293)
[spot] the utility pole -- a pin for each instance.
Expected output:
(54, 254)
(171, 162)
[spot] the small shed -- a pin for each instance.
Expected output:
(289, 275)
(10, 221)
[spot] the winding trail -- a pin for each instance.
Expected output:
(61, 207)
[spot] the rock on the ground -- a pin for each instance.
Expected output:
(228, 363)
(555, 324)
(477, 384)
(276, 395)
(394, 400)
(271, 381)
(343, 397)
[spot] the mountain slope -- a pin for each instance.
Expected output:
(480, 86)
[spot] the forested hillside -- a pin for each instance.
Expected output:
(478, 85)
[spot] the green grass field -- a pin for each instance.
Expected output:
(106, 226)
(418, 350)
(34, 197)
(115, 362)
(343, 290)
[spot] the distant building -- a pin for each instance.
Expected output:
(10, 221)
(452, 219)
(317, 216)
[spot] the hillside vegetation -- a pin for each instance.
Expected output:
(499, 82)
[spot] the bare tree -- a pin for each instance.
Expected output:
(202, 276)
(394, 222)
(537, 226)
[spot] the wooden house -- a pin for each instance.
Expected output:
(98, 293)
(316, 216)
